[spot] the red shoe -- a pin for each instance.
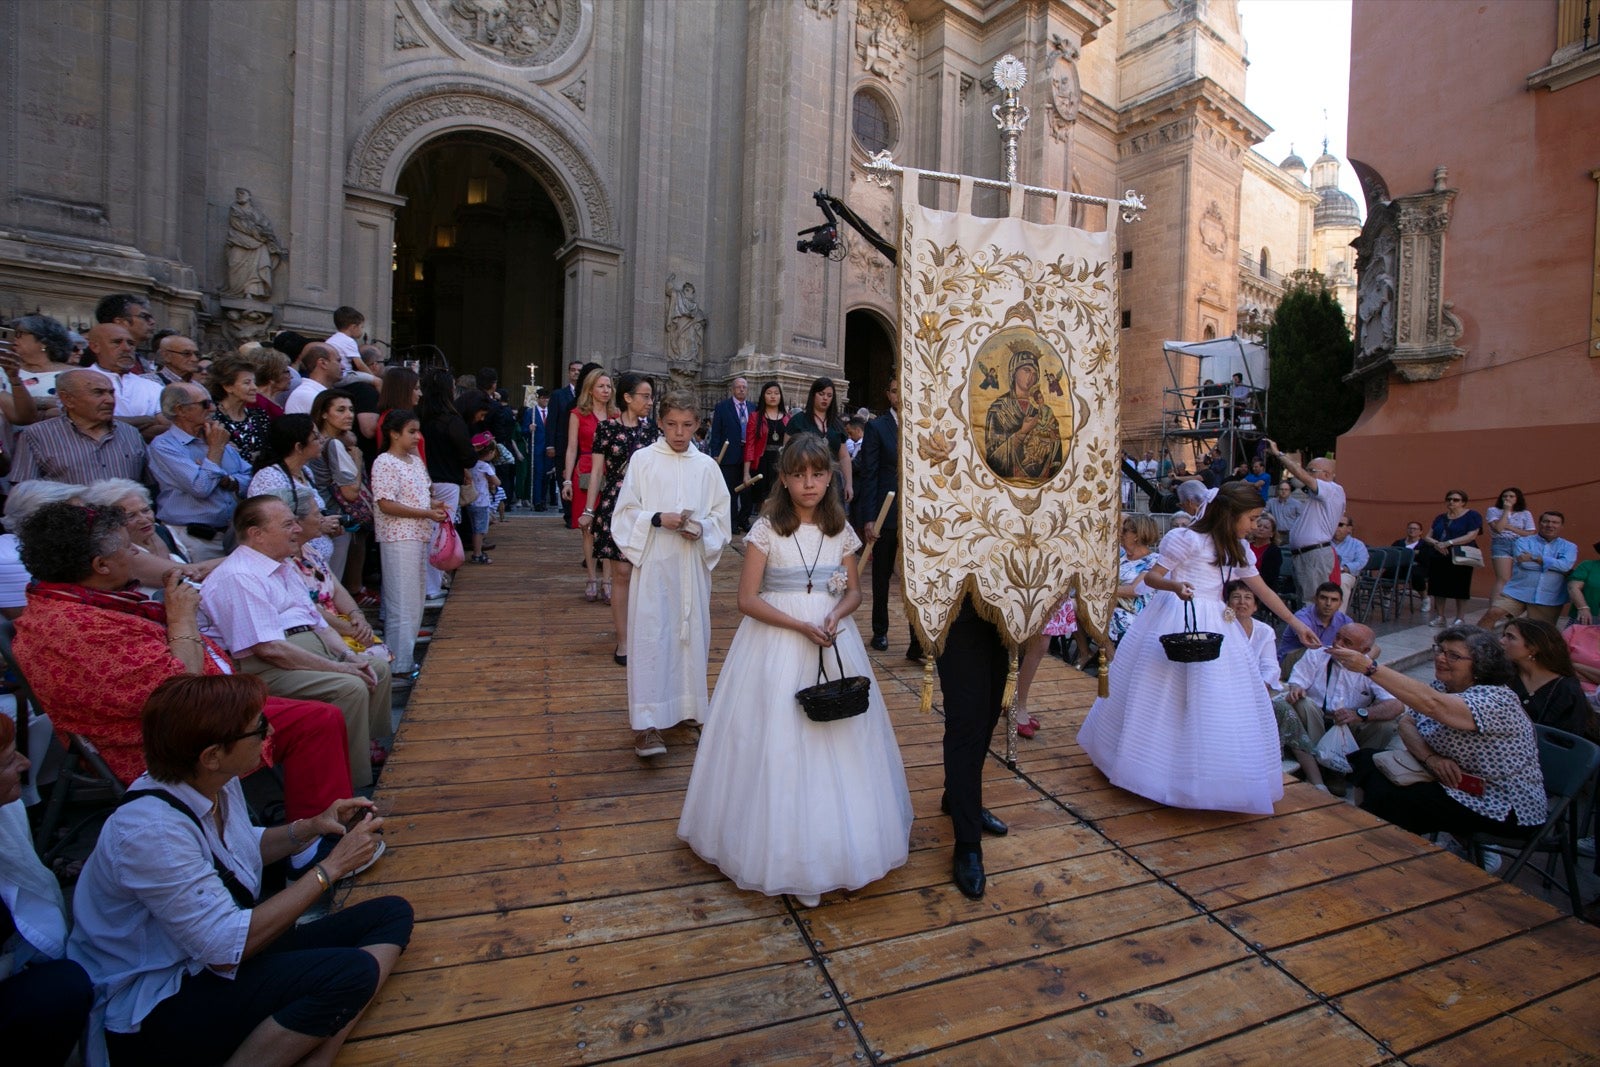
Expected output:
(1028, 728)
(379, 755)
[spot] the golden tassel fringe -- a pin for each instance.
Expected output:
(927, 685)
(1105, 672)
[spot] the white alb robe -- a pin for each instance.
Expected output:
(669, 596)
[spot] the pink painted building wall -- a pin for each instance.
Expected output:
(1446, 85)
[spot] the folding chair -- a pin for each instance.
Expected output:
(1399, 580)
(1369, 584)
(1567, 761)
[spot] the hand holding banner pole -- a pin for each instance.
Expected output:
(866, 557)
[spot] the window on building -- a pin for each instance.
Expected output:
(1127, 319)
(1127, 261)
(871, 122)
(1264, 264)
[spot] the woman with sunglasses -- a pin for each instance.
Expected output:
(1468, 731)
(183, 952)
(1457, 526)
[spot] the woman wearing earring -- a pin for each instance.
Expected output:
(594, 407)
(763, 440)
(1545, 681)
(821, 417)
(615, 443)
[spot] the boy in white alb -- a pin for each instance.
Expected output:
(672, 522)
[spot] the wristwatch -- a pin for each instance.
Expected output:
(655, 520)
(1361, 713)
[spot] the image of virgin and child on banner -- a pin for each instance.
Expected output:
(1009, 442)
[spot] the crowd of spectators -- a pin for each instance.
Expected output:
(184, 563)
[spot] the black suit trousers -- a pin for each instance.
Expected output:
(972, 678)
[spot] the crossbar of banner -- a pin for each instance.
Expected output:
(1131, 203)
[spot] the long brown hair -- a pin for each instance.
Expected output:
(805, 452)
(1544, 641)
(1222, 517)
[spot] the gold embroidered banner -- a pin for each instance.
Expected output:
(1009, 448)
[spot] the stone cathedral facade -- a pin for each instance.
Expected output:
(521, 183)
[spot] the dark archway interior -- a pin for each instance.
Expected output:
(475, 268)
(869, 358)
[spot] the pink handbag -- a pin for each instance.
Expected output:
(446, 554)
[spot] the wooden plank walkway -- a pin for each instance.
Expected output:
(561, 921)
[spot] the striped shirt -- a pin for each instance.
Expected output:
(57, 450)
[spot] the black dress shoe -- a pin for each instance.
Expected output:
(619, 659)
(880, 642)
(986, 819)
(967, 871)
(914, 654)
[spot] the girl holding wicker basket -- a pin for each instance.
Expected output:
(779, 802)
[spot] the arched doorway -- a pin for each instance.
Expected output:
(869, 357)
(476, 272)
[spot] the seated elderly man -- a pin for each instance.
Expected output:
(1322, 615)
(199, 473)
(1352, 553)
(256, 604)
(1540, 564)
(86, 443)
(1322, 693)
(93, 652)
(138, 399)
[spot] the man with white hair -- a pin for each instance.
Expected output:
(86, 443)
(1311, 536)
(198, 471)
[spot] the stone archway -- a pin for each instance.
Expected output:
(870, 356)
(554, 151)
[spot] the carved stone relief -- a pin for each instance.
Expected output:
(825, 9)
(1066, 94)
(404, 35)
(686, 328)
(245, 321)
(883, 36)
(578, 93)
(1403, 322)
(252, 248)
(1213, 230)
(521, 33)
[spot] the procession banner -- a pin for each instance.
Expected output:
(1010, 440)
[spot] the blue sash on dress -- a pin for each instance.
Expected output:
(793, 579)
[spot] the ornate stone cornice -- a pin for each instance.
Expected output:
(1199, 109)
(1403, 322)
(548, 147)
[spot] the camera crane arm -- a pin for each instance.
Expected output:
(824, 239)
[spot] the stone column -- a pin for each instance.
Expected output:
(366, 279)
(593, 272)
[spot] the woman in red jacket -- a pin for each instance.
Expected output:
(763, 440)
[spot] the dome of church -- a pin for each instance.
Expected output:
(1335, 208)
(1292, 162)
(1326, 157)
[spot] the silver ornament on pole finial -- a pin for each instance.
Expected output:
(1010, 115)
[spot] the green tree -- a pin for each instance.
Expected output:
(1309, 351)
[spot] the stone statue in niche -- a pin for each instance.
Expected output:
(253, 250)
(1066, 94)
(686, 327)
(883, 32)
(1375, 318)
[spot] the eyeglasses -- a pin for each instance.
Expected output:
(145, 315)
(1343, 524)
(1455, 500)
(207, 403)
(258, 731)
(1453, 657)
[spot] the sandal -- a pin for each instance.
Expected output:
(605, 590)
(591, 592)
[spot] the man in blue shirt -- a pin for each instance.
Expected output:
(198, 472)
(1352, 553)
(1540, 564)
(1322, 615)
(1259, 478)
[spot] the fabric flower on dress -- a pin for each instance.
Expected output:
(838, 582)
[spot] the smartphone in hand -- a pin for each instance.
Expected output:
(1470, 784)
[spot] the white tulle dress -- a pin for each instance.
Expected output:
(1192, 735)
(779, 803)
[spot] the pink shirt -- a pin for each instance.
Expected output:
(251, 598)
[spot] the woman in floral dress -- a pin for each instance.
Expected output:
(615, 443)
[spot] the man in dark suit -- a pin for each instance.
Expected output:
(729, 419)
(878, 475)
(562, 401)
(538, 416)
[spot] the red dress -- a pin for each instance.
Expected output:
(92, 669)
(588, 423)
